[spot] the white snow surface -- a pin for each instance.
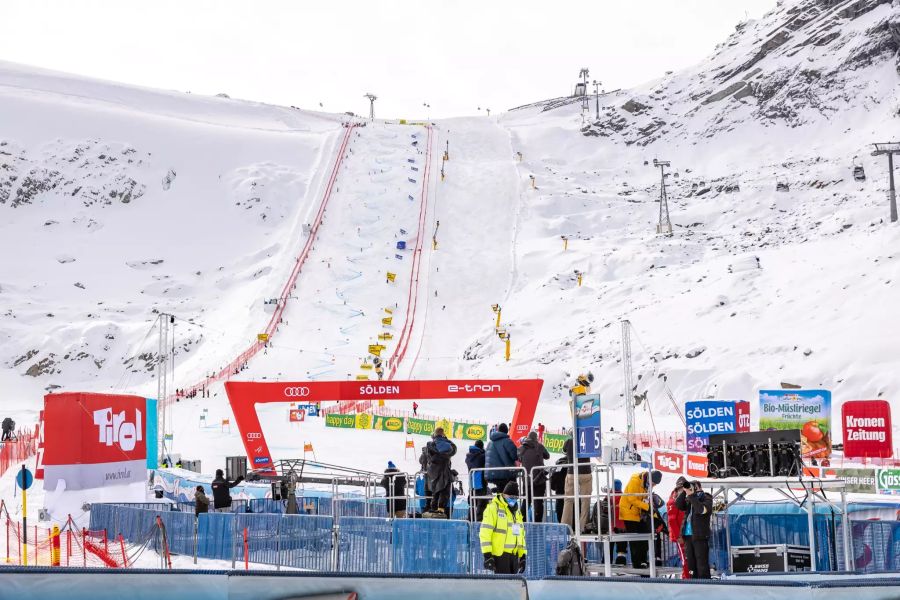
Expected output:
(213, 241)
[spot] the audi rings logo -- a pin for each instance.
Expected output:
(254, 436)
(296, 392)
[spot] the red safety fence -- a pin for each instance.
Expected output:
(18, 450)
(67, 546)
(236, 365)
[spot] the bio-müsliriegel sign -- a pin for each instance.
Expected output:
(806, 410)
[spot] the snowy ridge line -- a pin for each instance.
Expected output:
(232, 367)
(413, 294)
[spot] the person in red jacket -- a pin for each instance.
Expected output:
(676, 521)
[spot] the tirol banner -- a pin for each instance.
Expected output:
(867, 429)
(388, 424)
(345, 421)
(420, 426)
(553, 442)
(806, 410)
(95, 440)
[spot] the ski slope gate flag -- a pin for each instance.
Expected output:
(867, 428)
(708, 417)
(95, 440)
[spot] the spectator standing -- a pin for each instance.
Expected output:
(501, 452)
(221, 489)
(697, 506)
(475, 459)
(584, 488)
(394, 484)
(533, 454)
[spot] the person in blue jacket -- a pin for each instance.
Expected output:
(475, 460)
(501, 452)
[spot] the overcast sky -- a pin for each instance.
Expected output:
(456, 55)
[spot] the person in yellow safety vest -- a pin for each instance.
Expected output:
(502, 533)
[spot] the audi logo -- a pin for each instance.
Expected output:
(254, 436)
(296, 392)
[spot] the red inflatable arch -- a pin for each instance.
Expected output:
(245, 395)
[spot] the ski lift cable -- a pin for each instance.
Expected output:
(126, 371)
(668, 390)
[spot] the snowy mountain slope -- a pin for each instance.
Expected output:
(709, 320)
(119, 202)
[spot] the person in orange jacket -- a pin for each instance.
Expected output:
(675, 517)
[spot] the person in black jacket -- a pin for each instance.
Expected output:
(201, 501)
(478, 484)
(697, 507)
(395, 489)
(221, 493)
(501, 452)
(558, 486)
(439, 473)
(584, 489)
(533, 454)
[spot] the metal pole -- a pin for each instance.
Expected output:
(892, 193)
(727, 529)
(652, 524)
(575, 489)
(845, 528)
(811, 523)
(607, 547)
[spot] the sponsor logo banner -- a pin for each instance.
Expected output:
(668, 462)
(859, 481)
(553, 442)
(889, 480)
(388, 424)
(696, 465)
(363, 421)
(296, 415)
(420, 426)
(707, 417)
(344, 421)
(470, 431)
(806, 410)
(867, 428)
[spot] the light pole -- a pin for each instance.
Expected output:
(372, 98)
(584, 73)
(597, 85)
(890, 149)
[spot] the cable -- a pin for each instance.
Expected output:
(128, 371)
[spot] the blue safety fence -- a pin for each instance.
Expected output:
(216, 535)
(306, 542)
(179, 531)
(543, 543)
(430, 546)
(364, 545)
(261, 532)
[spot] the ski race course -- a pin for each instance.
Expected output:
(689, 279)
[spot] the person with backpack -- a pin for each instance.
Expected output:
(394, 484)
(558, 486)
(632, 508)
(502, 533)
(532, 454)
(675, 517)
(201, 501)
(501, 452)
(221, 491)
(570, 561)
(438, 473)
(475, 460)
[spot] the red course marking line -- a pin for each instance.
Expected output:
(272, 326)
(413, 295)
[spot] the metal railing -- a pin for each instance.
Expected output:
(520, 475)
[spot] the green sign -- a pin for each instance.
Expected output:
(859, 481)
(388, 424)
(420, 426)
(470, 431)
(889, 480)
(554, 442)
(345, 421)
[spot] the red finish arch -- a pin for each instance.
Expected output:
(245, 395)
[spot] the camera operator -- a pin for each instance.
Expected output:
(697, 506)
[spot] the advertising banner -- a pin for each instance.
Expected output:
(344, 421)
(553, 442)
(888, 481)
(706, 417)
(296, 415)
(312, 410)
(859, 481)
(94, 440)
(696, 465)
(669, 462)
(363, 421)
(867, 428)
(420, 426)
(388, 424)
(806, 410)
(470, 431)
(742, 413)
(587, 425)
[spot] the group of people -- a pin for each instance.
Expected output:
(221, 491)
